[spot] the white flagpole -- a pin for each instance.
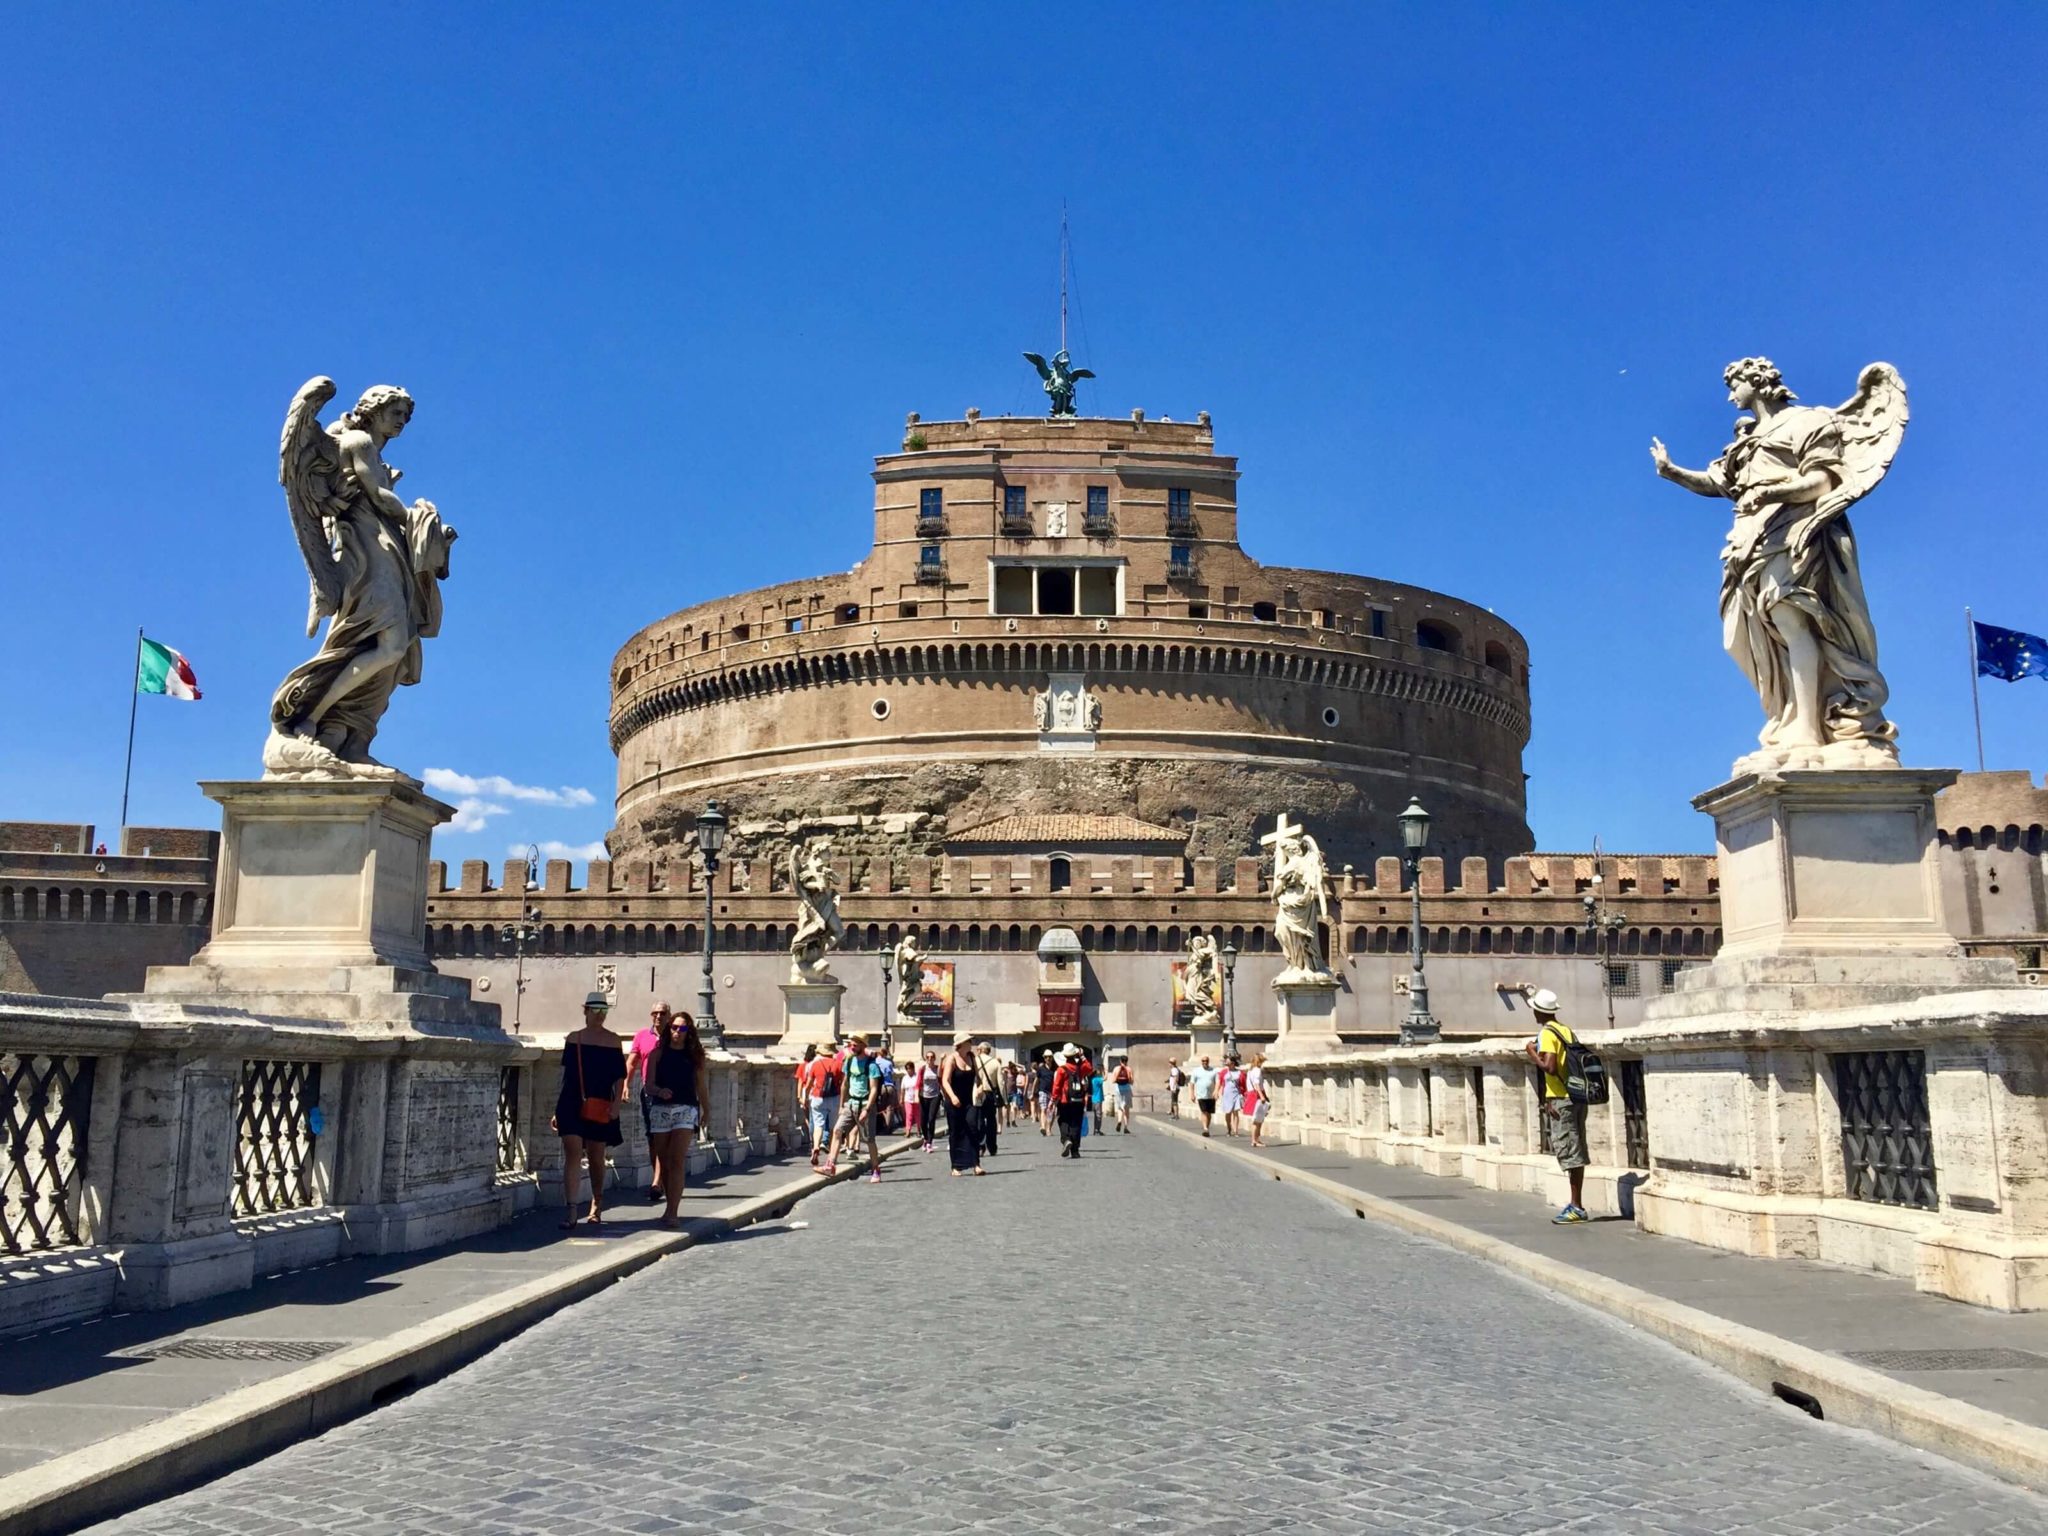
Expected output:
(1976, 703)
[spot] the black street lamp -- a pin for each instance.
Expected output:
(522, 933)
(710, 843)
(1603, 926)
(1229, 958)
(1418, 1028)
(888, 975)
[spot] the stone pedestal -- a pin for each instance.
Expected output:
(1308, 1019)
(810, 1014)
(320, 908)
(1829, 862)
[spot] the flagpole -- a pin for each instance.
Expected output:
(1976, 703)
(134, 674)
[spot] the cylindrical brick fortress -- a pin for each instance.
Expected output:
(1056, 618)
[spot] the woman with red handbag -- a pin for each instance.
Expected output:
(587, 1108)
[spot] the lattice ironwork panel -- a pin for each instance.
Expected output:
(45, 1114)
(1635, 1115)
(1887, 1144)
(275, 1136)
(509, 1159)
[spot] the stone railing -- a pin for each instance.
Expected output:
(1910, 1138)
(154, 1154)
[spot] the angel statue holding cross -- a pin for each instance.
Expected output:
(376, 566)
(1059, 376)
(1301, 898)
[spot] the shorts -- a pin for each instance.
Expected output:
(1044, 1102)
(1566, 1123)
(850, 1116)
(663, 1118)
(823, 1113)
(1206, 1106)
(1123, 1095)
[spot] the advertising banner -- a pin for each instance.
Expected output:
(1183, 1006)
(1059, 1013)
(933, 1004)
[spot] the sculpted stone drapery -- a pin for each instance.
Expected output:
(909, 978)
(1301, 900)
(819, 928)
(1198, 982)
(376, 566)
(1793, 613)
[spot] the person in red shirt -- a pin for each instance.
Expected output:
(1072, 1087)
(821, 1076)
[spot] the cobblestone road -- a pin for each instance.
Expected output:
(1208, 1352)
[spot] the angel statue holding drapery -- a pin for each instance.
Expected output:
(376, 566)
(819, 928)
(909, 979)
(1059, 376)
(1198, 983)
(1301, 900)
(1793, 614)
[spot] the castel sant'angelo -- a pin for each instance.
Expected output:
(1056, 619)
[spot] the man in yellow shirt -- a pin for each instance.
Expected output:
(1564, 1121)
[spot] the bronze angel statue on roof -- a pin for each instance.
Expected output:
(1793, 614)
(1059, 376)
(376, 566)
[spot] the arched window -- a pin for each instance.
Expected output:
(1497, 657)
(1061, 873)
(1432, 636)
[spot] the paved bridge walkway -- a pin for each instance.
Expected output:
(1151, 1340)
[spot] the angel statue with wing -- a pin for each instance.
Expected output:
(819, 927)
(1793, 614)
(376, 566)
(1059, 376)
(1301, 900)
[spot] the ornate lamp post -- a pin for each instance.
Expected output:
(1229, 958)
(710, 843)
(1602, 924)
(521, 934)
(888, 975)
(1418, 1028)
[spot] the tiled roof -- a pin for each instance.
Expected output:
(1066, 831)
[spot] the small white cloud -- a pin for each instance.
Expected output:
(471, 814)
(553, 849)
(448, 781)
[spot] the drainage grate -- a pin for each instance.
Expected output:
(1948, 1359)
(236, 1349)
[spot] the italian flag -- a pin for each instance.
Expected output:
(159, 669)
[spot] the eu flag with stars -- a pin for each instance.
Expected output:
(2010, 653)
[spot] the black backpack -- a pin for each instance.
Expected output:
(1585, 1074)
(1080, 1086)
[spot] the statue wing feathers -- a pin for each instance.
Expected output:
(1871, 424)
(1039, 363)
(1082, 373)
(314, 491)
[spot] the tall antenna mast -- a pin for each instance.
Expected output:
(1063, 274)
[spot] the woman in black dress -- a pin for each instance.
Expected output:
(956, 1084)
(675, 1097)
(593, 1079)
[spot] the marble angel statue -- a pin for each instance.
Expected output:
(819, 928)
(1301, 901)
(909, 978)
(376, 566)
(1793, 614)
(1198, 983)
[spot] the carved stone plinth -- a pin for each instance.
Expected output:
(810, 1014)
(320, 909)
(1829, 897)
(1308, 1019)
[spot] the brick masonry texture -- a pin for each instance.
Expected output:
(1144, 1341)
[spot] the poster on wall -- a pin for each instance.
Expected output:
(933, 1005)
(1183, 1006)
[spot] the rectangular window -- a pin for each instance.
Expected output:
(931, 554)
(1013, 501)
(1098, 589)
(793, 626)
(1013, 589)
(1055, 590)
(1198, 610)
(1180, 560)
(1180, 510)
(931, 511)
(1098, 509)
(1379, 623)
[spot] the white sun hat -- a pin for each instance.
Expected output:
(1543, 1000)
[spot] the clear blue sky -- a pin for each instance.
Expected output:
(664, 280)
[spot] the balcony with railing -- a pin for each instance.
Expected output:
(931, 571)
(931, 525)
(1016, 525)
